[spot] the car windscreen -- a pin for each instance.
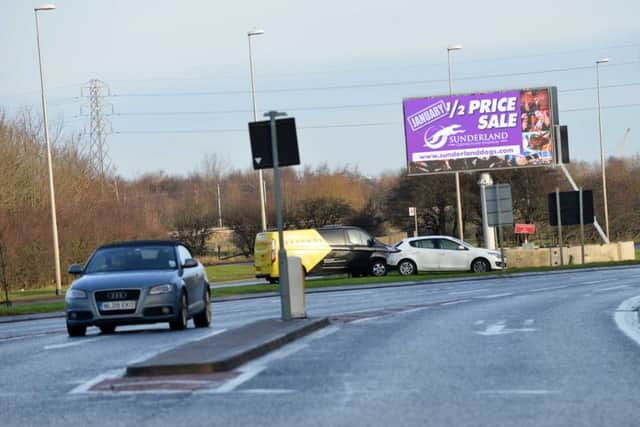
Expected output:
(132, 258)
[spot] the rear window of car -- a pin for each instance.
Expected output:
(423, 244)
(132, 258)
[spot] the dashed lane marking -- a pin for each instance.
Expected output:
(75, 342)
(456, 302)
(611, 288)
(506, 294)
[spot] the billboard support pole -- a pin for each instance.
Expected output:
(500, 231)
(487, 232)
(575, 188)
(581, 226)
(559, 225)
(283, 268)
(415, 219)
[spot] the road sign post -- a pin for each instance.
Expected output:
(499, 209)
(283, 268)
(412, 212)
(581, 227)
(559, 225)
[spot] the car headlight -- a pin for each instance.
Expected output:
(75, 294)
(161, 289)
(495, 254)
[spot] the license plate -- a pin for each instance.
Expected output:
(118, 305)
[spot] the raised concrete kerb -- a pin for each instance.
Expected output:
(226, 351)
(626, 318)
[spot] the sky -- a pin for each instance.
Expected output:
(179, 82)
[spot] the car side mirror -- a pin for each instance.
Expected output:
(461, 248)
(75, 269)
(190, 263)
(371, 243)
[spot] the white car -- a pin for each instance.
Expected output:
(442, 253)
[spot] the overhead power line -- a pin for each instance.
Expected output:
(367, 85)
(327, 107)
(327, 126)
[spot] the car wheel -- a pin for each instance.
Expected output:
(480, 266)
(76, 330)
(273, 280)
(182, 318)
(406, 267)
(378, 268)
(107, 329)
(203, 319)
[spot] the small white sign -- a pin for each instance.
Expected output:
(412, 211)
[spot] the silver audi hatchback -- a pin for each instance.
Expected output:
(138, 282)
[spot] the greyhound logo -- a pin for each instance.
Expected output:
(438, 138)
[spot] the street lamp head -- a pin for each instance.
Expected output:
(48, 6)
(255, 32)
(602, 61)
(454, 47)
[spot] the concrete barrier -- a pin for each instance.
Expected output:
(545, 257)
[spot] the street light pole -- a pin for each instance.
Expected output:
(54, 221)
(458, 196)
(602, 159)
(263, 214)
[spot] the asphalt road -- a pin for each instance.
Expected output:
(530, 350)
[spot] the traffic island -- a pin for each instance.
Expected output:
(228, 350)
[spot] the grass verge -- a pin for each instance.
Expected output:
(28, 302)
(31, 308)
(230, 272)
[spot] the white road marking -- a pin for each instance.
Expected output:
(248, 372)
(528, 322)
(499, 328)
(592, 282)
(548, 289)
(456, 302)
(626, 318)
(506, 294)
(413, 310)
(84, 388)
(255, 367)
(465, 292)
(268, 391)
(75, 342)
(611, 288)
(210, 334)
(478, 322)
(366, 319)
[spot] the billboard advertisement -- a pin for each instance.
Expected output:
(496, 130)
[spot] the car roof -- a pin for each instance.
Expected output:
(142, 243)
(410, 239)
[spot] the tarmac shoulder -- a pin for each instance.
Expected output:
(226, 351)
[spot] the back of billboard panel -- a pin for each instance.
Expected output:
(497, 130)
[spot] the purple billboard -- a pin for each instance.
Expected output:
(496, 130)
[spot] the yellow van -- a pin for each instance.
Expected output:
(323, 250)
